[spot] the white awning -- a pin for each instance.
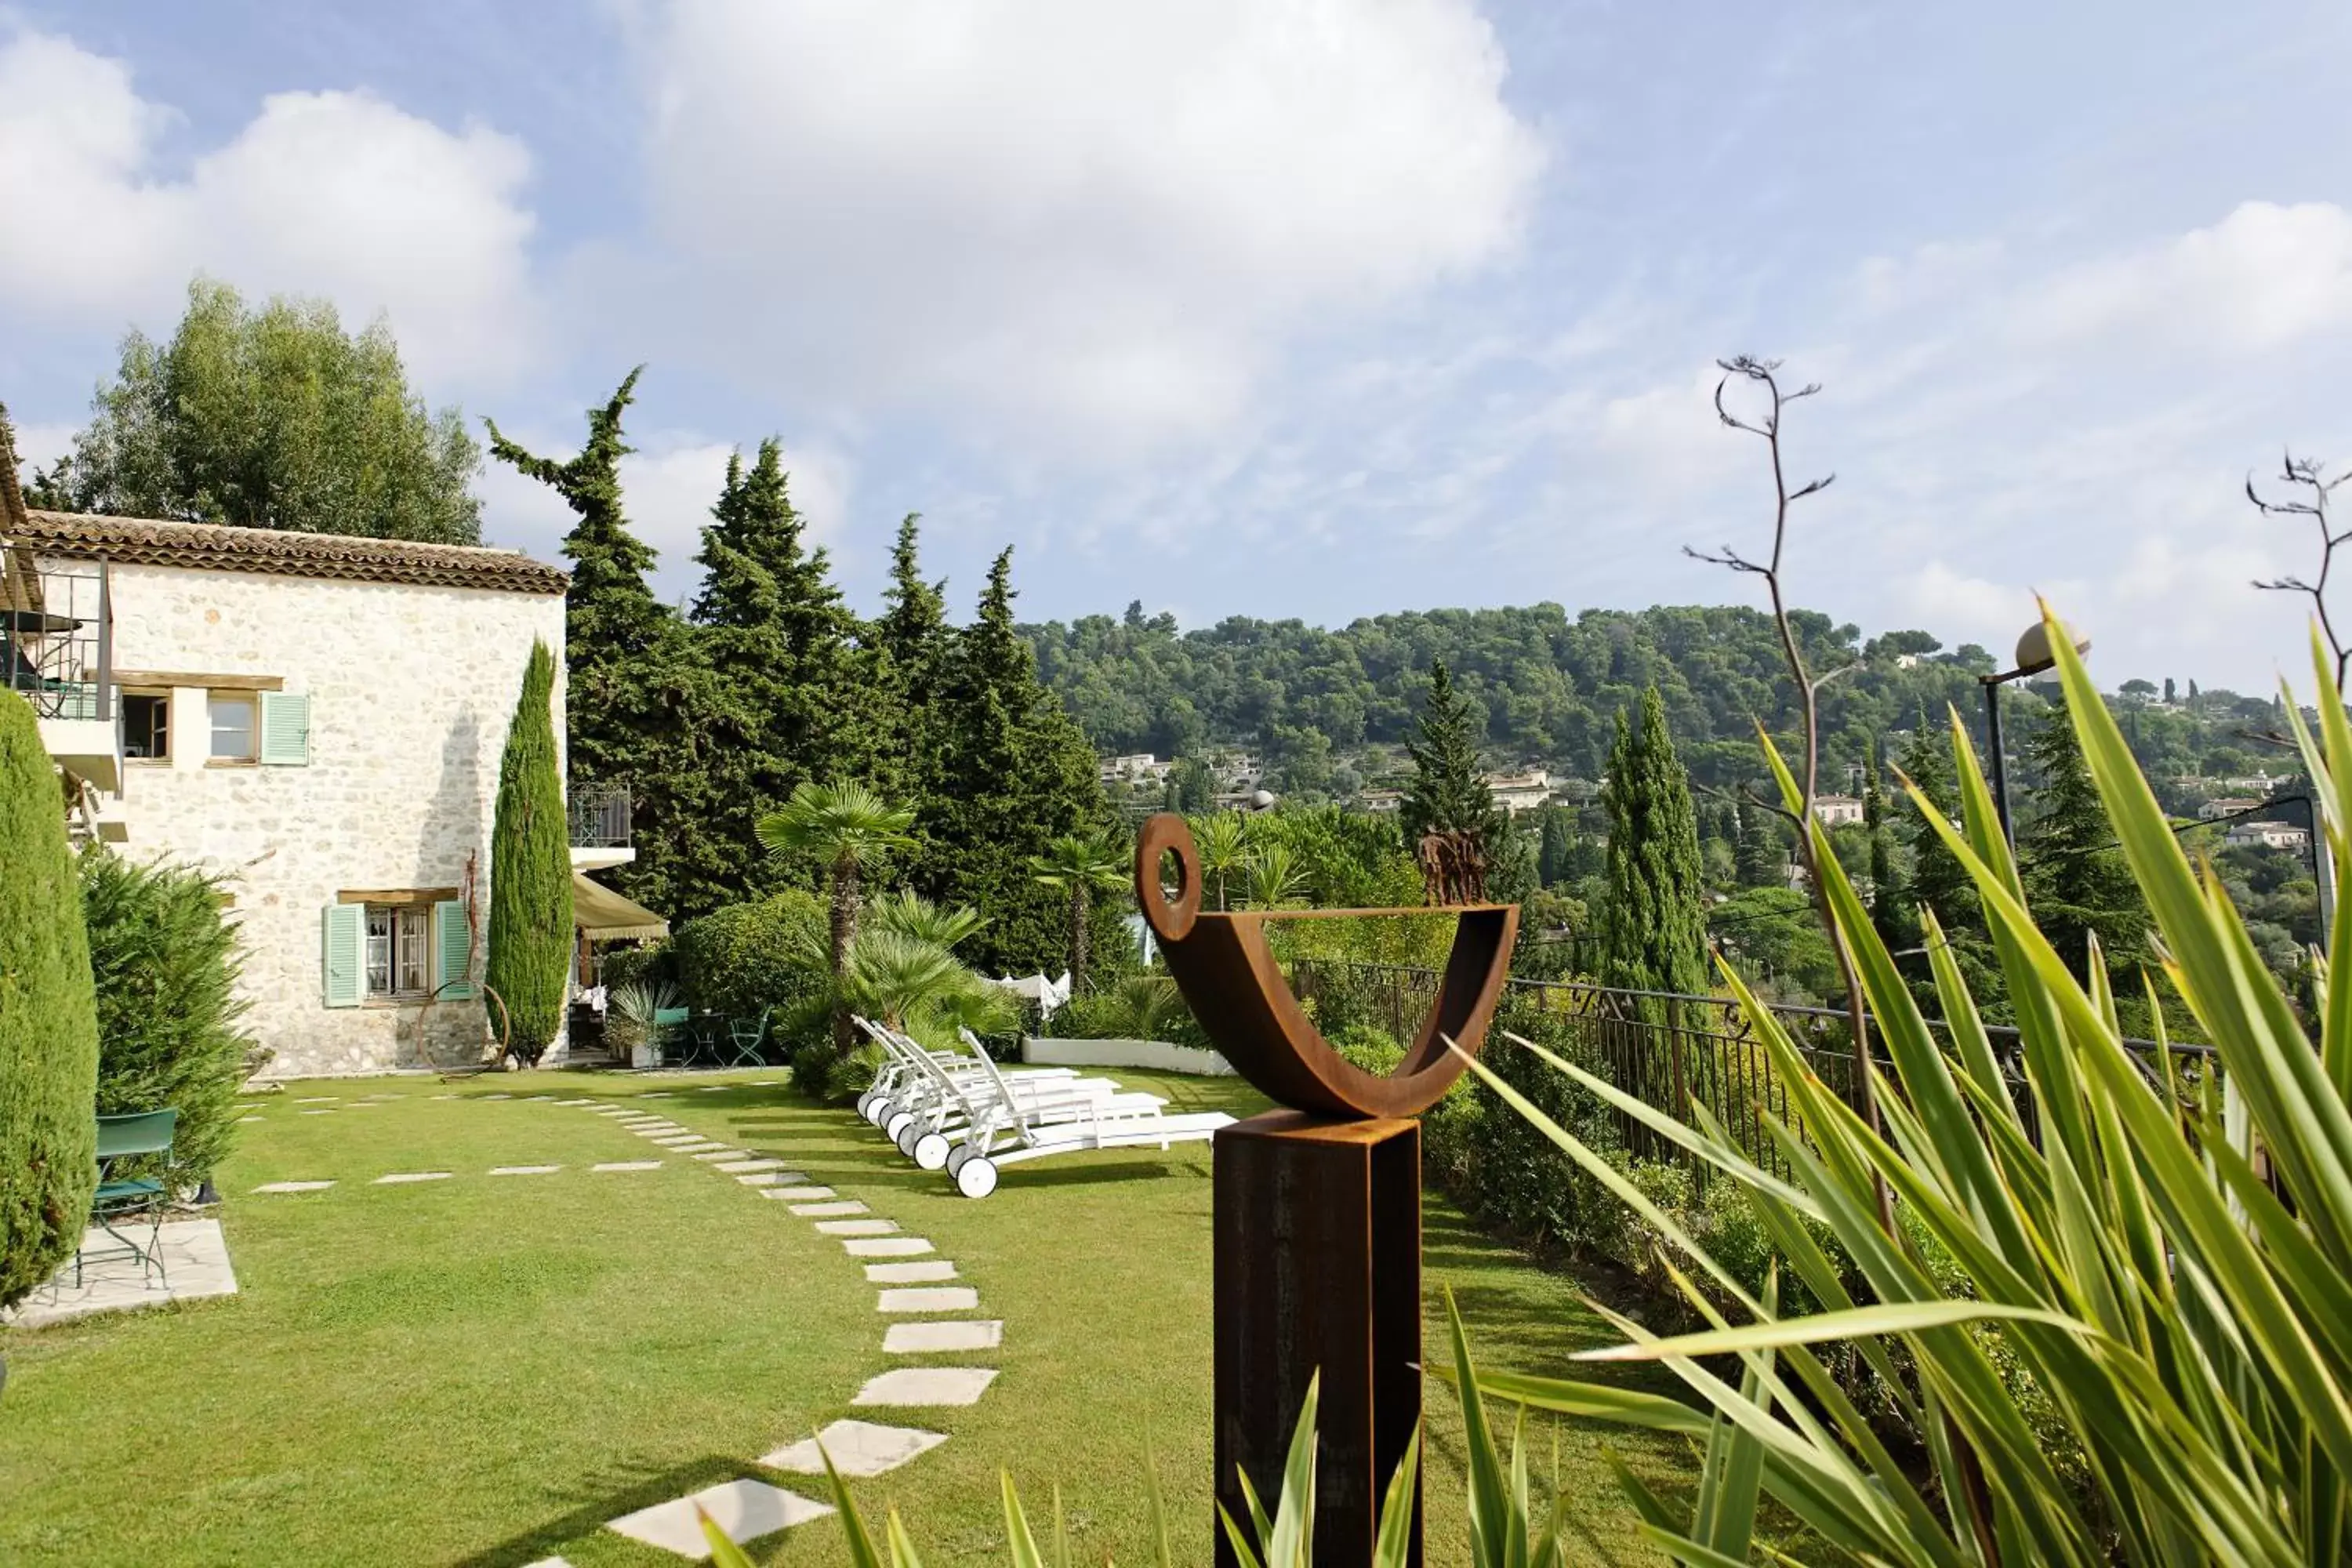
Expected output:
(603, 915)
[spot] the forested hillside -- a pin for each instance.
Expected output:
(1548, 686)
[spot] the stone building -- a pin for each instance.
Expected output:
(318, 720)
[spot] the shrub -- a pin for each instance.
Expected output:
(529, 936)
(165, 965)
(48, 1020)
(654, 963)
(632, 1014)
(742, 958)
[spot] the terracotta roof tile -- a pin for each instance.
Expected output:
(215, 547)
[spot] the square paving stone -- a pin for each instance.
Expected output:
(913, 1385)
(931, 1299)
(761, 1179)
(523, 1170)
(319, 1099)
(401, 1178)
(712, 1156)
(745, 1509)
(317, 1113)
(499, 1096)
(927, 1338)
(629, 1165)
(807, 1195)
(856, 1448)
(856, 1227)
(910, 1273)
(248, 1118)
(293, 1186)
(827, 1211)
(883, 1247)
(738, 1167)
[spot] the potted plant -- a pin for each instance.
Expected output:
(633, 1019)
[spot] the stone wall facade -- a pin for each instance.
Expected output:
(411, 689)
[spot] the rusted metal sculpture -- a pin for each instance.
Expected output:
(1318, 1256)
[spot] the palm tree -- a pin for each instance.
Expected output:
(909, 913)
(1222, 840)
(1079, 864)
(1272, 877)
(847, 826)
(892, 976)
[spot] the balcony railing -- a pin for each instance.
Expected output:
(56, 634)
(600, 816)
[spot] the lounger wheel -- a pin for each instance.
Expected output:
(865, 1102)
(932, 1151)
(977, 1179)
(907, 1135)
(876, 1109)
(956, 1156)
(896, 1124)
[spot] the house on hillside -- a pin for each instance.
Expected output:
(318, 720)
(1837, 810)
(1519, 792)
(2267, 836)
(2227, 806)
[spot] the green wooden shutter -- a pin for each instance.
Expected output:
(453, 951)
(286, 728)
(345, 964)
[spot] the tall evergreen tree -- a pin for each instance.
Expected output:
(1652, 920)
(48, 1013)
(1014, 774)
(1939, 883)
(530, 935)
(1890, 913)
(2076, 880)
(913, 631)
(1558, 848)
(1448, 792)
(638, 701)
(791, 700)
(1762, 859)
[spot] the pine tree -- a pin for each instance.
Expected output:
(530, 935)
(1890, 913)
(1557, 846)
(912, 633)
(1762, 858)
(1653, 920)
(2076, 880)
(1014, 774)
(1448, 792)
(1940, 885)
(791, 698)
(48, 1016)
(638, 702)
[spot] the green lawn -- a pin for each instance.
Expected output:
(482, 1370)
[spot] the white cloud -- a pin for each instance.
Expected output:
(1091, 222)
(2264, 275)
(337, 194)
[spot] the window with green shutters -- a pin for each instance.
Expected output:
(345, 957)
(453, 951)
(285, 728)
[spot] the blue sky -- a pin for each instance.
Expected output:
(1286, 307)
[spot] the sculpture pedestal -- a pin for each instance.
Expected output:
(1319, 1268)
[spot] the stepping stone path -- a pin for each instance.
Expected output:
(400, 1178)
(293, 1186)
(523, 1170)
(744, 1510)
(749, 1508)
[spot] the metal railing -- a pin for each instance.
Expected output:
(600, 816)
(1671, 1051)
(56, 634)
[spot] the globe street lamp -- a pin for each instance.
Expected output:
(2034, 655)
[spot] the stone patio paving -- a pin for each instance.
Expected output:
(195, 1262)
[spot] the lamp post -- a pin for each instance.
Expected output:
(2033, 657)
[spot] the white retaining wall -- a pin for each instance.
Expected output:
(1158, 1056)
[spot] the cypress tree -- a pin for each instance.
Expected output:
(1448, 792)
(1013, 774)
(789, 701)
(531, 873)
(2076, 880)
(1761, 859)
(1939, 884)
(49, 1013)
(1652, 919)
(1889, 908)
(912, 633)
(1558, 848)
(638, 702)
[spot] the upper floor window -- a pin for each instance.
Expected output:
(147, 725)
(233, 730)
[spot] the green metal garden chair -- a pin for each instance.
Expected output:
(749, 1036)
(670, 1025)
(129, 1137)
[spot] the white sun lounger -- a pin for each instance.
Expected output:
(902, 1085)
(932, 1109)
(1003, 1131)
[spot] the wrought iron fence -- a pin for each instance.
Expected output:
(1671, 1051)
(600, 816)
(56, 641)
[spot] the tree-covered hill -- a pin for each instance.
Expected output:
(1548, 687)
